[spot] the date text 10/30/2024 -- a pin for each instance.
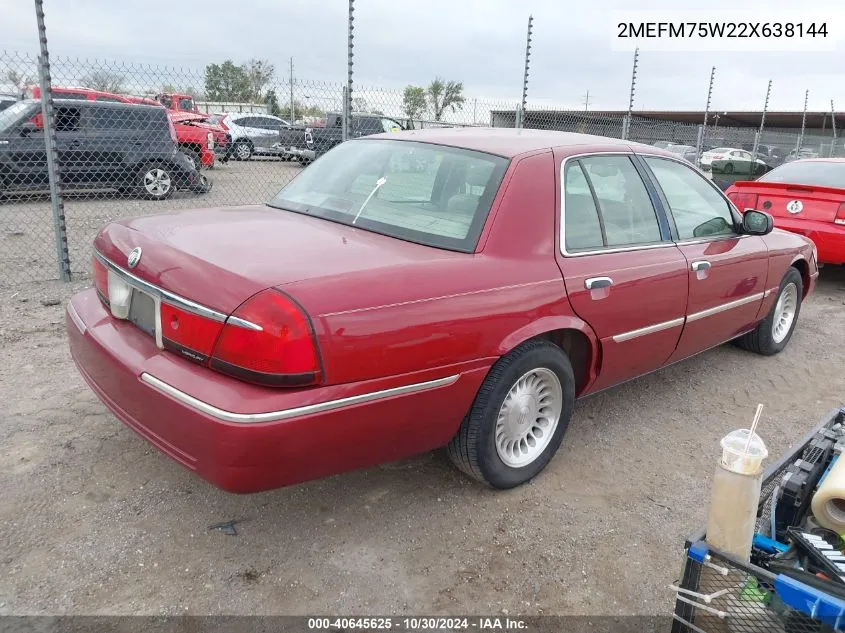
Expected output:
(417, 624)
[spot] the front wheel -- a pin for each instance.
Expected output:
(156, 182)
(243, 150)
(729, 168)
(773, 333)
(519, 416)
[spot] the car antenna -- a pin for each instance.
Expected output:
(379, 183)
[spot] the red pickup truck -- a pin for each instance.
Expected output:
(195, 137)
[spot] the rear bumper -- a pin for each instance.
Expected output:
(244, 438)
(828, 237)
(303, 153)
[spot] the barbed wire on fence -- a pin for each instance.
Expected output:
(244, 127)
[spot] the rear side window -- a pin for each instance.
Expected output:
(698, 209)
(67, 119)
(583, 227)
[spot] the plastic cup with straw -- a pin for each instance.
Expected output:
(743, 451)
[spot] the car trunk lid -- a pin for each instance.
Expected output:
(790, 200)
(221, 257)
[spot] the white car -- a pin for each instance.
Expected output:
(729, 160)
(253, 134)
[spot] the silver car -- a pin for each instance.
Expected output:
(253, 134)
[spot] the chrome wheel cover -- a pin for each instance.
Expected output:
(528, 417)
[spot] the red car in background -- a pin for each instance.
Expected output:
(195, 137)
(373, 310)
(805, 197)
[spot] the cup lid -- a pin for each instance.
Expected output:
(733, 444)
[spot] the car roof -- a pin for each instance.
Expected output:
(820, 160)
(510, 142)
(114, 105)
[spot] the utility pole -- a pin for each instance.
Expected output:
(762, 118)
(833, 119)
(803, 124)
(626, 127)
(292, 112)
(587, 101)
(521, 117)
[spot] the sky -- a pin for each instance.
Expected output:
(478, 42)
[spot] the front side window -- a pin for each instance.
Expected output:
(698, 209)
(430, 194)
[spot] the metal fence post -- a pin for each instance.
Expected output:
(699, 143)
(347, 102)
(626, 127)
(803, 125)
(56, 201)
(525, 73)
(344, 130)
(832, 127)
(762, 120)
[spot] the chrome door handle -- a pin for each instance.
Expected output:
(598, 282)
(701, 265)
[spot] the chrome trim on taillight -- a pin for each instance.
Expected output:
(285, 414)
(173, 299)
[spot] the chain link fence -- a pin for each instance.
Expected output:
(241, 134)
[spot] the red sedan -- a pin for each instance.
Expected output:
(805, 197)
(421, 289)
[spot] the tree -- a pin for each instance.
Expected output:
(445, 94)
(104, 81)
(300, 111)
(272, 102)
(227, 82)
(414, 101)
(359, 104)
(260, 73)
(18, 79)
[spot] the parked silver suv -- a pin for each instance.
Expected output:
(252, 134)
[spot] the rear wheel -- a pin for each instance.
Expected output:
(729, 168)
(243, 150)
(519, 416)
(156, 181)
(193, 156)
(773, 333)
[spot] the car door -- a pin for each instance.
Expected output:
(25, 153)
(266, 133)
(726, 270)
(624, 275)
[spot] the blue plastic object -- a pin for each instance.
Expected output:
(817, 604)
(767, 544)
(698, 551)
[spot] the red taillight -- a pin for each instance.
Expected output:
(279, 348)
(840, 214)
(743, 201)
(101, 278)
(187, 333)
(38, 120)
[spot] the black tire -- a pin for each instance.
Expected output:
(194, 157)
(156, 170)
(242, 150)
(761, 339)
(473, 449)
(729, 168)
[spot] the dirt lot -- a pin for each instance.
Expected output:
(94, 520)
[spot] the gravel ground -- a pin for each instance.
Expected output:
(93, 520)
(27, 236)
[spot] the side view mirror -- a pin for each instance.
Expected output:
(29, 128)
(757, 222)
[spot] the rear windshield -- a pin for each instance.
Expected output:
(811, 174)
(430, 194)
